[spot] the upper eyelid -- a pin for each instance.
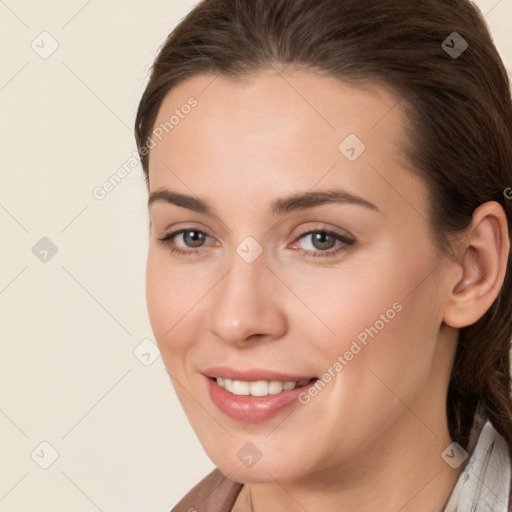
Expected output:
(324, 226)
(327, 229)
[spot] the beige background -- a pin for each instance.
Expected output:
(73, 372)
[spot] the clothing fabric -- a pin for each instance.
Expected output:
(214, 493)
(483, 486)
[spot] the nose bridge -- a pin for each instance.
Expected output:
(243, 303)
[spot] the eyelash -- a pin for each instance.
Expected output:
(345, 243)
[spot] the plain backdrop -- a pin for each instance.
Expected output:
(88, 417)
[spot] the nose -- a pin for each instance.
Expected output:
(247, 304)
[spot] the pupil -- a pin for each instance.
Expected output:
(193, 238)
(321, 241)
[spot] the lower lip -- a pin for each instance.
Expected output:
(253, 409)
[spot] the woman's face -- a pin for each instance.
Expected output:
(307, 255)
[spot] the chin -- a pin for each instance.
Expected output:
(261, 472)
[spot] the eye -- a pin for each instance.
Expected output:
(191, 239)
(324, 243)
(317, 243)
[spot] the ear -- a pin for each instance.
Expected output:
(481, 266)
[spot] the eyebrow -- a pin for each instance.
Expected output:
(300, 201)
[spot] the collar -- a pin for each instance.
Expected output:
(484, 484)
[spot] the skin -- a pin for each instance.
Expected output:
(372, 439)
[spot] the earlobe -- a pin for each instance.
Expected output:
(481, 268)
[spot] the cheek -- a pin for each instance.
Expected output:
(385, 332)
(171, 294)
(158, 299)
(360, 300)
(382, 312)
(386, 328)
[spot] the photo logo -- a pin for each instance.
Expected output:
(146, 352)
(352, 147)
(44, 250)
(101, 191)
(249, 455)
(454, 45)
(454, 455)
(44, 45)
(44, 455)
(249, 249)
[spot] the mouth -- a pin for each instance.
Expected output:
(255, 401)
(259, 387)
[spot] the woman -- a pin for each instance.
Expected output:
(328, 275)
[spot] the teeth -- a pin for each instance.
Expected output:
(288, 385)
(228, 384)
(275, 387)
(258, 388)
(262, 388)
(239, 387)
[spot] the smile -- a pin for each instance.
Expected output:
(260, 387)
(257, 400)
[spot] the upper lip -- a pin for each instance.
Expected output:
(253, 375)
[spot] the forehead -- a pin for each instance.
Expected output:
(270, 101)
(282, 131)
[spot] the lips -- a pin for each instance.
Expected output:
(249, 408)
(254, 375)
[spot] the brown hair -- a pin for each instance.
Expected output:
(459, 107)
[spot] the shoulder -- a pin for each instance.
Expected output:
(214, 493)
